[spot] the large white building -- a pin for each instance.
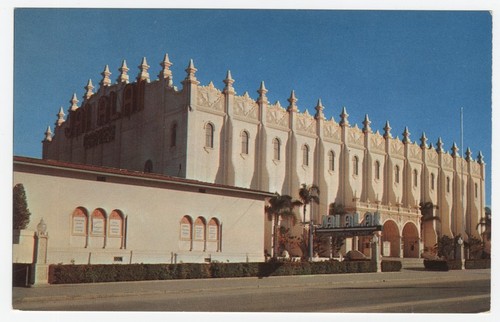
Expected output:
(213, 135)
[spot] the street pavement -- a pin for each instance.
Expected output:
(45, 296)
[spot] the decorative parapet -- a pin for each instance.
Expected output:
(245, 108)
(415, 152)
(210, 99)
(332, 131)
(306, 124)
(356, 137)
(431, 157)
(447, 161)
(277, 116)
(396, 148)
(377, 143)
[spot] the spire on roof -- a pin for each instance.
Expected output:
(229, 81)
(89, 89)
(344, 117)
(468, 154)
(48, 135)
(166, 73)
(74, 103)
(480, 158)
(60, 117)
(262, 92)
(293, 102)
(423, 141)
(143, 71)
(106, 81)
(387, 130)
(366, 124)
(439, 145)
(123, 77)
(406, 135)
(454, 150)
(319, 110)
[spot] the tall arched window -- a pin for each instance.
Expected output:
(475, 189)
(186, 225)
(79, 221)
(415, 178)
(331, 161)
(209, 135)
(244, 142)
(199, 229)
(277, 148)
(305, 155)
(173, 135)
(355, 166)
(98, 223)
(377, 170)
(116, 223)
(396, 174)
(448, 183)
(432, 181)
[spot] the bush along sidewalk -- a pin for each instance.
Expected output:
(445, 265)
(68, 274)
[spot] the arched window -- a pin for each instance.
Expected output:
(475, 189)
(148, 166)
(209, 135)
(244, 142)
(277, 148)
(173, 135)
(355, 166)
(396, 174)
(98, 223)
(415, 178)
(305, 155)
(432, 181)
(213, 230)
(185, 228)
(199, 229)
(377, 170)
(448, 182)
(79, 221)
(116, 223)
(331, 161)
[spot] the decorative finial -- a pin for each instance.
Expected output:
(229, 81)
(191, 70)
(480, 158)
(343, 117)
(439, 145)
(74, 103)
(319, 110)
(423, 141)
(166, 73)
(60, 117)
(387, 130)
(454, 150)
(89, 88)
(366, 125)
(293, 102)
(262, 92)
(48, 135)
(143, 73)
(106, 81)
(468, 154)
(123, 78)
(406, 135)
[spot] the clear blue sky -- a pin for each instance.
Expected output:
(413, 68)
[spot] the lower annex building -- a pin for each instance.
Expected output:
(213, 135)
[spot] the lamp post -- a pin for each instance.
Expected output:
(460, 253)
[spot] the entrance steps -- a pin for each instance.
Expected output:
(408, 262)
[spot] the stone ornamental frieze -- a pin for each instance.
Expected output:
(356, 137)
(210, 98)
(277, 116)
(332, 132)
(447, 161)
(306, 124)
(415, 152)
(377, 143)
(245, 108)
(397, 147)
(432, 157)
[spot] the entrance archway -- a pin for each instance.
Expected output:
(390, 239)
(411, 245)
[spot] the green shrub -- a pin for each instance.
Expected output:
(391, 266)
(477, 263)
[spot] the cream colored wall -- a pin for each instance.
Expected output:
(153, 216)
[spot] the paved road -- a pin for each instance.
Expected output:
(404, 292)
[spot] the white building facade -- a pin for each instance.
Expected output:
(212, 135)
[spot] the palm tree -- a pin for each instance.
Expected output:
(308, 195)
(486, 223)
(280, 206)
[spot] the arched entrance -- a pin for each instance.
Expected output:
(411, 246)
(390, 239)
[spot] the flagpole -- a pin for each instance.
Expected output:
(462, 165)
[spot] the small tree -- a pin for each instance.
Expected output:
(21, 213)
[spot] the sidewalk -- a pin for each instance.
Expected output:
(120, 289)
